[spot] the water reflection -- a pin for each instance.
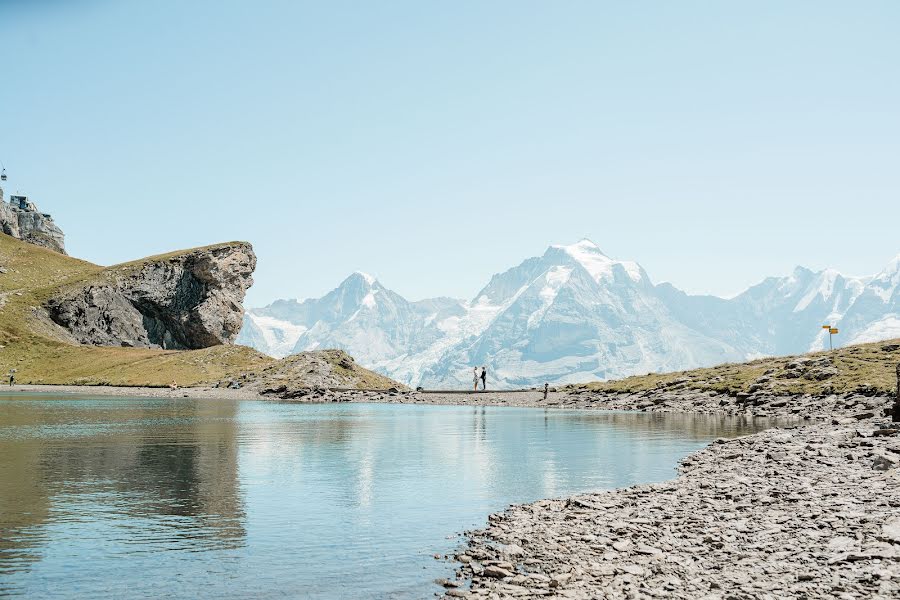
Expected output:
(170, 465)
(185, 497)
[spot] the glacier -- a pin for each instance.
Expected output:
(573, 315)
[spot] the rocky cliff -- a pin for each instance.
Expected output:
(21, 219)
(184, 300)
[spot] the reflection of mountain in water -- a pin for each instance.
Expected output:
(184, 498)
(168, 461)
(358, 451)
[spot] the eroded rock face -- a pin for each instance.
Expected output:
(183, 301)
(21, 219)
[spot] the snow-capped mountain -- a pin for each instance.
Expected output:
(575, 314)
(875, 312)
(360, 314)
(780, 315)
(572, 314)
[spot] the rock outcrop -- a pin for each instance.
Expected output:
(21, 219)
(185, 300)
(308, 377)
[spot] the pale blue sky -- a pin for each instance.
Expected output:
(435, 143)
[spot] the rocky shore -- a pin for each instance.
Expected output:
(810, 511)
(806, 406)
(807, 512)
(845, 406)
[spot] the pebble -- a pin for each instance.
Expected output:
(496, 572)
(806, 511)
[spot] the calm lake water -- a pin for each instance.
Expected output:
(149, 498)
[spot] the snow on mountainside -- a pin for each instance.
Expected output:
(875, 313)
(574, 314)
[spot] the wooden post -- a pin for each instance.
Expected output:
(896, 415)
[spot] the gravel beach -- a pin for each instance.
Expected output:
(811, 510)
(806, 511)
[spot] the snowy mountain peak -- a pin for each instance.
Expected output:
(886, 284)
(596, 263)
(891, 270)
(823, 287)
(583, 246)
(575, 314)
(361, 279)
(370, 280)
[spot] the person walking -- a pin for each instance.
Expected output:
(483, 379)
(475, 378)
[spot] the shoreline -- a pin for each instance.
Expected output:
(847, 407)
(200, 393)
(807, 510)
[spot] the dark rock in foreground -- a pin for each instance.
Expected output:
(185, 300)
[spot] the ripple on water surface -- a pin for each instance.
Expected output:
(144, 497)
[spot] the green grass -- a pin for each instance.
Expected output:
(859, 368)
(41, 352)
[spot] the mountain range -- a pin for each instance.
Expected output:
(574, 315)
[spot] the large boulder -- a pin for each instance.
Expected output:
(185, 300)
(21, 219)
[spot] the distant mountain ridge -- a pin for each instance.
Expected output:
(574, 315)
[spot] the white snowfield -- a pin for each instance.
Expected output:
(588, 255)
(573, 315)
(278, 337)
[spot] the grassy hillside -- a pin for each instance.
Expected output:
(865, 368)
(42, 353)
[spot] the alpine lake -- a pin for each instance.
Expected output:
(106, 497)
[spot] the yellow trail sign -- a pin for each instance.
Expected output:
(833, 330)
(826, 326)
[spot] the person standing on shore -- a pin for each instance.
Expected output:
(483, 379)
(12, 377)
(475, 378)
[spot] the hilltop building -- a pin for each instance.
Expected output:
(21, 219)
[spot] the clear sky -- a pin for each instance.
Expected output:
(433, 144)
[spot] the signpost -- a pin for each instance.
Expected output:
(831, 332)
